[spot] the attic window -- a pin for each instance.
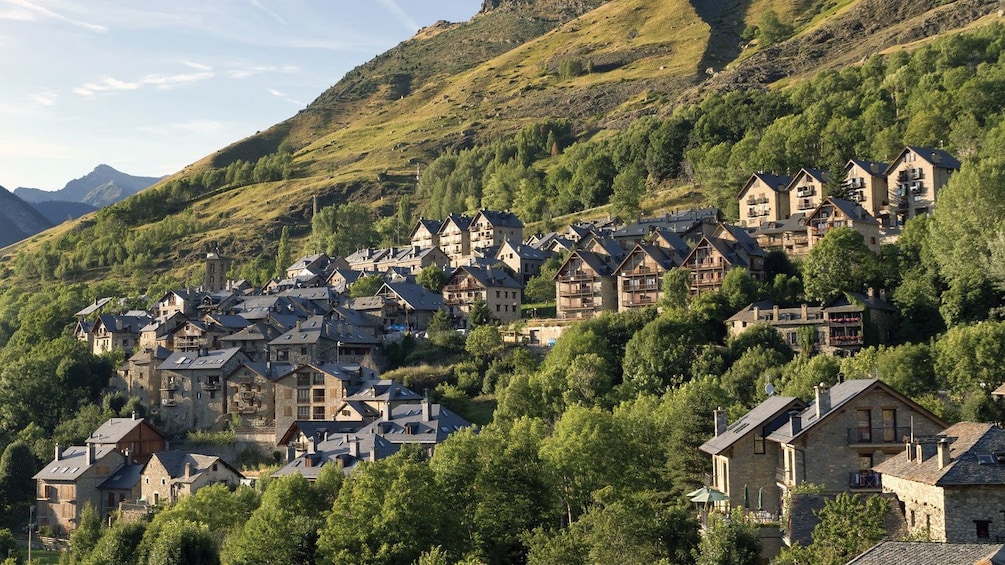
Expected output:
(986, 459)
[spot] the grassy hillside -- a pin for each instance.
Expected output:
(452, 86)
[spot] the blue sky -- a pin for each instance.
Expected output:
(150, 86)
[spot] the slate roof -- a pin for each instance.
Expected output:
(255, 331)
(795, 223)
(937, 157)
(148, 355)
(840, 394)
(665, 258)
(850, 209)
(270, 370)
(778, 183)
(873, 168)
(406, 424)
(462, 222)
(113, 430)
(92, 308)
(848, 301)
(742, 237)
(125, 478)
(174, 463)
(598, 263)
(318, 428)
(384, 390)
(931, 553)
(487, 276)
(432, 226)
(977, 457)
(192, 360)
(768, 415)
(791, 316)
(316, 328)
(816, 174)
(500, 219)
(120, 324)
(415, 296)
(678, 221)
(335, 450)
(72, 463)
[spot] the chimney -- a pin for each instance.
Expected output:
(721, 421)
(385, 412)
(909, 450)
(823, 398)
(59, 452)
(188, 469)
(943, 452)
(795, 422)
(426, 410)
(89, 459)
(757, 313)
(774, 312)
(312, 445)
(354, 446)
(805, 311)
(291, 452)
(919, 452)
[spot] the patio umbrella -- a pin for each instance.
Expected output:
(707, 495)
(746, 497)
(760, 499)
(696, 492)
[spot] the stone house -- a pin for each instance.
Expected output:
(424, 424)
(194, 335)
(836, 213)
(192, 394)
(70, 481)
(742, 458)
(914, 179)
(524, 260)
(320, 340)
(425, 233)
(412, 259)
(455, 238)
(415, 305)
(640, 275)
(806, 189)
(140, 375)
(314, 391)
(170, 475)
(764, 198)
(344, 450)
(253, 339)
(490, 228)
(789, 236)
(183, 301)
(160, 331)
(585, 285)
(117, 332)
(951, 486)
(865, 183)
(729, 247)
(468, 284)
(251, 392)
(341, 279)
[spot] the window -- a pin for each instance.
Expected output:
(912, 518)
(864, 419)
(890, 425)
(318, 413)
(983, 528)
(303, 379)
(759, 443)
(288, 411)
(319, 395)
(303, 412)
(303, 395)
(319, 378)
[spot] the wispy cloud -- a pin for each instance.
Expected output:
(267, 10)
(252, 70)
(110, 84)
(198, 66)
(197, 127)
(28, 11)
(45, 98)
(399, 14)
(284, 97)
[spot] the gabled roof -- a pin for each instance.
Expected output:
(818, 175)
(852, 300)
(523, 251)
(317, 328)
(596, 262)
(742, 236)
(841, 394)
(850, 209)
(318, 428)
(114, 429)
(665, 258)
(767, 417)
(432, 226)
(121, 324)
(498, 219)
(408, 425)
(460, 221)
(98, 304)
(936, 157)
(977, 457)
(790, 316)
(384, 390)
(199, 361)
(415, 296)
(931, 553)
(174, 463)
(872, 168)
(255, 331)
(795, 223)
(125, 478)
(486, 276)
(147, 355)
(270, 370)
(778, 183)
(336, 450)
(72, 463)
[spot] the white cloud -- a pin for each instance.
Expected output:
(200, 127)
(268, 11)
(25, 5)
(403, 18)
(46, 98)
(282, 96)
(167, 81)
(250, 71)
(17, 15)
(110, 84)
(198, 66)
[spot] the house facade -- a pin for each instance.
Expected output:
(468, 284)
(806, 189)
(192, 394)
(865, 183)
(585, 285)
(914, 179)
(764, 198)
(837, 213)
(70, 481)
(170, 475)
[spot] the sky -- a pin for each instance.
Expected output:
(151, 86)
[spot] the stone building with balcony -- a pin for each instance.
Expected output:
(321, 340)
(790, 236)
(140, 375)
(837, 213)
(764, 198)
(837, 440)
(865, 184)
(192, 395)
(914, 179)
(469, 283)
(728, 247)
(251, 393)
(135, 438)
(640, 275)
(425, 233)
(806, 190)
(71, 480)
(585, 285)
(490, 228)
(951, 486)
(455, 238)
(111, 332)
(314, 391)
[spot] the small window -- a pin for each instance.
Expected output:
(983, 528)
(759, 443)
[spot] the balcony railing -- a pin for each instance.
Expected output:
(865, 480)
(844, 340)
(845, 319)
(169, 402)
(878, 435)
(211, 386)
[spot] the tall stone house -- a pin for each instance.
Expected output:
(468, 284)
(425, 233)
(134, 437)
(314, 391)
(764, 198)
(729, 247)
(321, 340)
(490, 228)
(585, 285)
(865, 183)
(455, 238)
(170, 475)
(640, 275)
(837, 213)
(914, 179)
(806, 189)
(951, 486)
(251, 393)
(72, 480)
(192, 394)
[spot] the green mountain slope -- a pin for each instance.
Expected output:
(453, 86)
